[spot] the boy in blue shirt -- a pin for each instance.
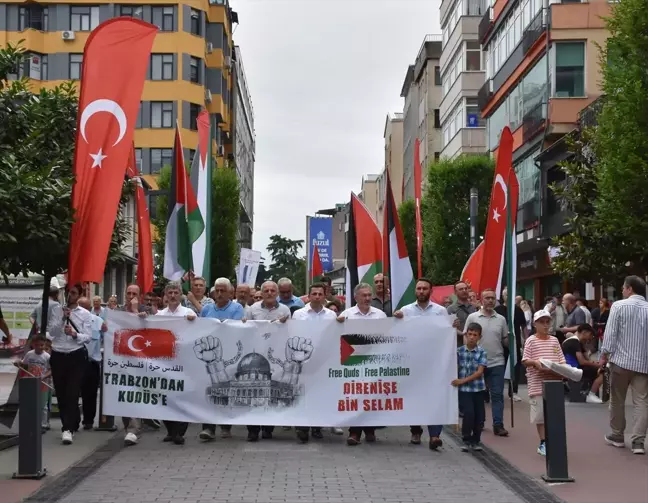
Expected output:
(471, 363)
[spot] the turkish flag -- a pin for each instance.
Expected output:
(472, 271)
(316, 263)
(145, 343)
(115, 59)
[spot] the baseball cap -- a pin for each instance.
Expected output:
(543, 313)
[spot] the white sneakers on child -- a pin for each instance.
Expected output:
(67, 438)
(592, 398)
(130, 439)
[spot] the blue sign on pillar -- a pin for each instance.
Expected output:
(321, 235)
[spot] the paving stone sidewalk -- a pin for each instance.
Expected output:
(280, 470)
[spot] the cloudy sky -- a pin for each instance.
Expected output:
(322, 74)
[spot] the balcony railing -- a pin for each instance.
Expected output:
(484, 94)
(533, 121)
(535, 29)
(485, 24)
(588, 116)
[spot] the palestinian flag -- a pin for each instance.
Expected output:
(396, 260)
(513, 189)
(364, 248)
(201, 180)
(359, 349)
(185, 223)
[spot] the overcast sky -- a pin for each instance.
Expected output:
(323, 74)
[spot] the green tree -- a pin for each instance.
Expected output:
(286, 262)
(407, 217)
(446, 213)
(225, 222)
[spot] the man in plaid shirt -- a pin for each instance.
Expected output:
(471, 363)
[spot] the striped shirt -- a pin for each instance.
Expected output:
(535, 349)
(626, 334)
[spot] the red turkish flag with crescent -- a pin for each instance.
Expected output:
(145, 343)
(115, 60)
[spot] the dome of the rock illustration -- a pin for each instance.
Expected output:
(253, 366)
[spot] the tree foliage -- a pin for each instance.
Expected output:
(407, 217)
(37, 137)
(225, 222)
(286, 262)
(446, 213)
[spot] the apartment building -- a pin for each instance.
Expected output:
(421, 92)
(462, 75)
(370, 194)
(542, 69)
(393, 136)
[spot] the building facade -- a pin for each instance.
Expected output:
(393, 136)
(542, 69)
(370, 194)
(462, 75)
(421, 115)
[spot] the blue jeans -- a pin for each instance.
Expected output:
(495, 381)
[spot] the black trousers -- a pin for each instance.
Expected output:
(357, 430)
(212, 427)
(176, 428)
(257, 429)
(68, 370)
(89, 390)
(474, 415)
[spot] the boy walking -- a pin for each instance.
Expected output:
(471, 363)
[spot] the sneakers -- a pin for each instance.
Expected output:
(207, 435)
(465, 447)
(592, 398)
(130, 439)
(178, 440)
(615, 440)
(353, 440)
(337, 431)
(416, 439)
(638, 448)
(516, 398)
(67, 438)
(317, 433)
(477, 447)
(542, 449)
(500, 431)
(370, 438)
(435, 443)
(266, 435)
(252, 437)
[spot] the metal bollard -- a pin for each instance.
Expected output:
(553, 396)
(106, 423)
(30, 430)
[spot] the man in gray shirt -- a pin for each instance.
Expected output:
(575, 315)
(494, 339)
(462, 308)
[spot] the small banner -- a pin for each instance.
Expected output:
(246, 272)
(358, 373)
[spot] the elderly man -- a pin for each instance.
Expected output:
(97, 308)
(494, 339)
(361, 311)
(243, 295)
(91, 377)
(381, 299)
(173, 292)
(424, 307)
(197, 298)
(268, 309)
(132, 301)
(222, 309)
(575, 316)
(462, 307)
(286, 295)
(625, 347)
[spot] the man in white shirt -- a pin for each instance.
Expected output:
(92, 374)
(173, 292)
(363, 309)
(424, 307)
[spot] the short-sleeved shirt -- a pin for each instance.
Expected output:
(259, 311)
(293, 302)
(230, 311)
(494, 332)
(468, 361)
(535, 349)
(205, 301)
(575, 318)
(462, 311)
(37, 364)
(570, 347)
(308, 313)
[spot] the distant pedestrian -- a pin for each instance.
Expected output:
(625, 347)
(37, 363)
(462, 308)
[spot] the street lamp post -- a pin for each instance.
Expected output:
(473, 219)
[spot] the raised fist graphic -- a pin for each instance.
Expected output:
(209, 349)
(298, 349)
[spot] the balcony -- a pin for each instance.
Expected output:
(484, 94)
(588, 116)
(485, 24)
(535, 29)
(534, 121)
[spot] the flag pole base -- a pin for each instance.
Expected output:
(32, 476)
(557, 480)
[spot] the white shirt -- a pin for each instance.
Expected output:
(180, 312)
(308, 313)
(588, 315)
(432, 309)
(63, 343)
(355, 313)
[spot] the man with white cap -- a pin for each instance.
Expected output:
(540, 346)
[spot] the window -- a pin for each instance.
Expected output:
(163, 17)
(534, 87)
(162, 67)
(76, 63)
(495, 124)
(138, 122)
(437, 119)
(437, 75)
(194, 70)
(194, 110)
(131, 11)
(33, 16)
(84, 18)
(192, 154)
(570, 70)
(473, 114)
(473, 56)
(44, 67)
(452, 73)
(528, 176)
(160, 157)
(138, 159)
(195, 22)
(161, 114)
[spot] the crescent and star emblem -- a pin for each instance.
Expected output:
(131, 340)
(111, 107)
(499, 180)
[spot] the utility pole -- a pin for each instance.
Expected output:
(473, 219)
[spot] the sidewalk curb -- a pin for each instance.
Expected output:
(522, 485)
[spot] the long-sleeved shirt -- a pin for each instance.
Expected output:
(626, 334)
(494, 335)
(94, 344)
(61, 342)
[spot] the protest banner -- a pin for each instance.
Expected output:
(361, 372)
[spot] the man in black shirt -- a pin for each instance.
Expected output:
(519, 328)
(575, 355)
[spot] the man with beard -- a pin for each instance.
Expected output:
(423, 307)
(462, 308)
(243, 295)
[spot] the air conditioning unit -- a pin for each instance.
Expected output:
(208, 96)
(228, 62)
(210, 47)
(68, 35)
